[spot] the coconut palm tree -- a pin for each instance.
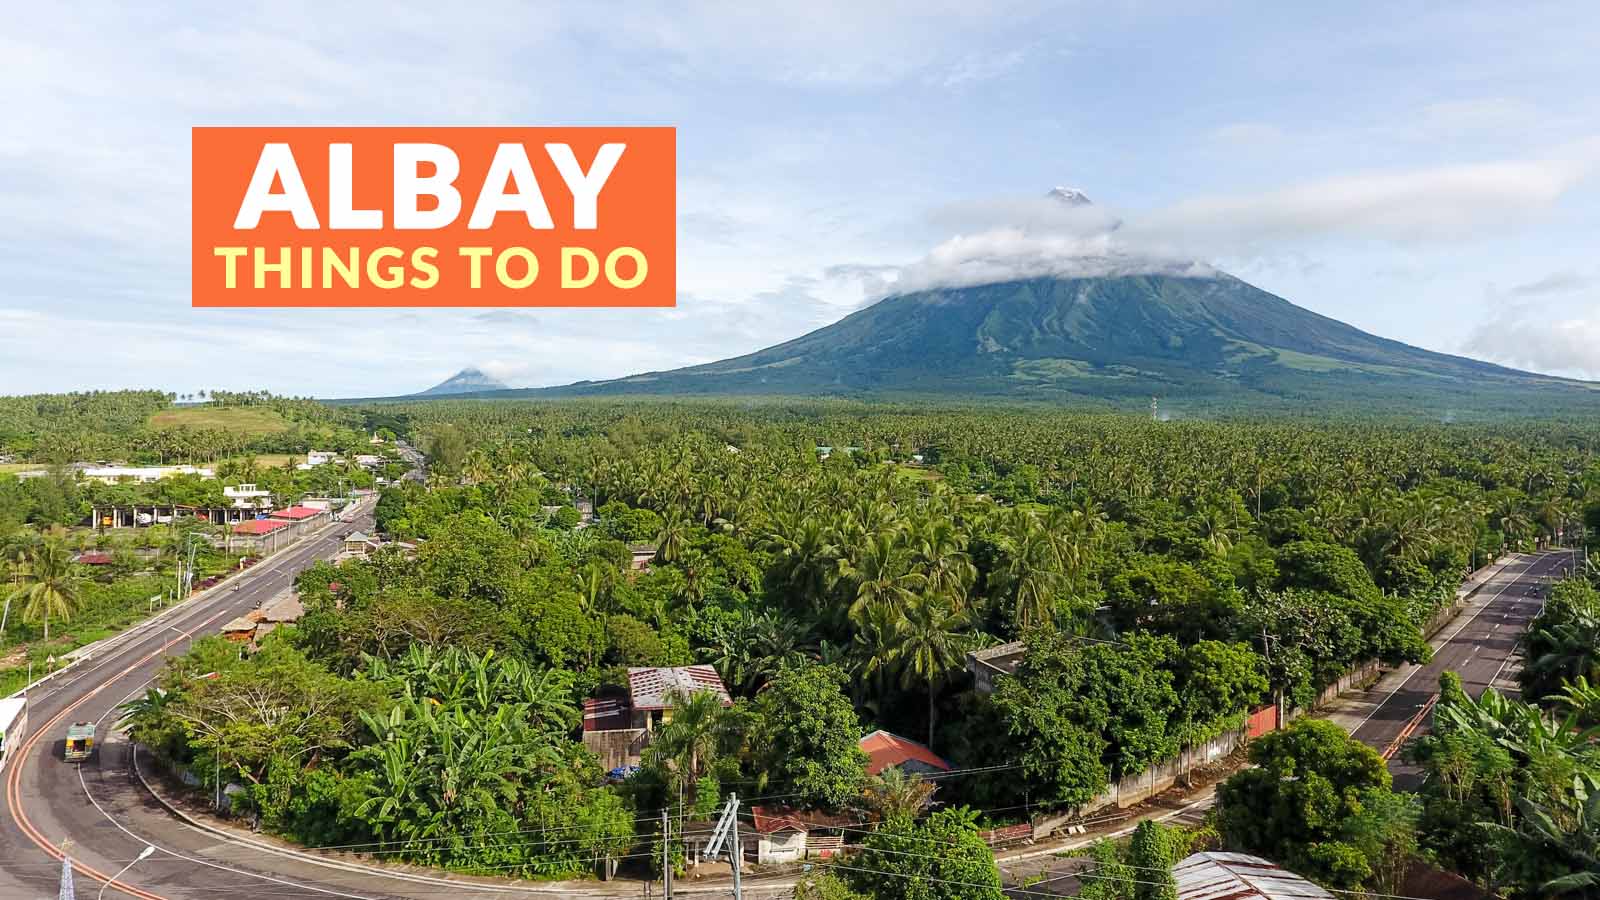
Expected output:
(47, 584)
(687, 745)
(881, 575)
(892, 793)
(1030, 572)
(932, 639)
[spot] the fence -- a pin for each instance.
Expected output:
(1163, 775)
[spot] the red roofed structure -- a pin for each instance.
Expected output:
(297, 513)
(94, 559)
(259, 526)
(784, 835)
(891, 751)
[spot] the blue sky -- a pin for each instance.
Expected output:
(1424, 171)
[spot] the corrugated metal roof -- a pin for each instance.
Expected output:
(1239, 876)
(650, 688)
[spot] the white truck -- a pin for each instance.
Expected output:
(13, 726)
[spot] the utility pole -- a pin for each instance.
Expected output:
(666, 857)
(736, 852)
(65, 890)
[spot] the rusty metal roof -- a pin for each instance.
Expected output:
(652, 688)
(1238, 876)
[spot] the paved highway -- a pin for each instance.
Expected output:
(103, 814)
(108, 817)
(97, 809)
(1480, 645)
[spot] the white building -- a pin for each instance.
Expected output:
(248, 496)
(142, 474)
(316, 458)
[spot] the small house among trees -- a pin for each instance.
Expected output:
(891, 751)
(617, 729)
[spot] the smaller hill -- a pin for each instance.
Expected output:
(466, 381)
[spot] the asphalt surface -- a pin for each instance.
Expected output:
(105, 813)
(1480, 645)
(98, 807)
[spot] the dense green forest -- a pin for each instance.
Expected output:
(835, 562)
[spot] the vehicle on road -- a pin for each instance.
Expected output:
(13, 725)
(80, 742)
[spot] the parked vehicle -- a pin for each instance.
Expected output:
(13, 725)
(80, 741)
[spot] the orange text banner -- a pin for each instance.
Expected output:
(418, 216)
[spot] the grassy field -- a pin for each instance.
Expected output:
(238, 419)
(18, 467)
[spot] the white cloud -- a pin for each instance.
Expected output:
(1456, 118)
(1561, 339)
(1010, 254)
(1029, 237)
(1563, 282)
(1418, 205)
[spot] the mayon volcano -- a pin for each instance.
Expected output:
(1108, 327)
(466, 381)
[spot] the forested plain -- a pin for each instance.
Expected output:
(835, 562)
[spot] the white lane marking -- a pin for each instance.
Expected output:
(305, 858)
(197, 861)
(1529, 566)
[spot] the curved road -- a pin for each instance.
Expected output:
(99, 806)
(109, 817)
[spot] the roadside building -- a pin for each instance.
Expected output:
(359, 543)
(258, 535)
(241, 630)
(785, 835)
(285, 609)
(141, 474)
(640, 556)
(652, 691)
(300, 519)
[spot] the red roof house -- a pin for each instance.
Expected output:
(94, 559)
(891, 751)
(297, 513)
(782, 834)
